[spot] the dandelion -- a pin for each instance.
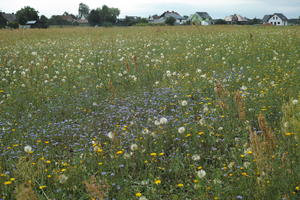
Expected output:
(42, 187)
(157, 182)
(295, 101)
(201, 173)
(119, 152)
(180, 185)
(134, 147)
(138, 194)
(28, 149)
(163, 120)
(7, 182)
(181, 130)
(184, 103)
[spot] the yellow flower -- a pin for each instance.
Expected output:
(196, 181)
(42, 187)
(7, 183)
(157, 182)
(1, 91)
(244, 174)
(161, 154)
(201, 133)
(180, 185)
(12, 179)
(153, 154)
(298, 188)
(289, 134)
(119, 152)
(138, 194)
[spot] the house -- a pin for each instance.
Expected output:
(82, 21)
(277, 19)
(30, 24)
(236, 19)
(9, 17)
(68, 18)
(162, 18)
(201, 18)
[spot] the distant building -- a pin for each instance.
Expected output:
(277, 19)
(30, 24)
(9, 17)
(236, 19)
(162, 18)
(82, 21)
(68, 18)
(201, 18)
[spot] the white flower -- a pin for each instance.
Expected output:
(220, 128)
(34, 53)
(246, 164)
(244, 88)
(181, 130)
(163, 120)
(134, 147)
(143, 198)
(28, 149)
(196, 157)
(201, 173)
(184, 103)
(156, 122)
(145, 131)
(111, 135)
(295, 101)
(230, 165)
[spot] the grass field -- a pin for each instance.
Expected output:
(150, 113)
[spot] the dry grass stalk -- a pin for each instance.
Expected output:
(221, 93)
(240, 105)
(267, 132)
(134, 58)
(24, 191)
(127, 66)
(94, 189)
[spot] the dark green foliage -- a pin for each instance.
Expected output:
(26, 14)
(170, 21)
(3, 21)
(13, 25)
(58, 20)
(103, 15)
(43, 22)
(83, 11)
(220, 21)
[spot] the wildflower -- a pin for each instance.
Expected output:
(201, 173)
(297, 188)
(138, 194)
(244, 88)
(196, 157)
(28, 149)
(181, 130)
(153, 154)
(180, 185)
(184, 103)
(295, 101)
(244, 174)
(134, 147)
(157, 182)
(111, 135)
(143, 198)
(157, 123)
(42, 187)
(7, 183)
(289, 134)
(119, 152)
(163, 120)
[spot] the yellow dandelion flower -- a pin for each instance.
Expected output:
(180, 185)
(244, 174)
(162, 154)
(7, 183)
(12, 179)
(297, 188)
(157, 182)
(153, 154)
(138, 194)
(119, 152)
(42, 187)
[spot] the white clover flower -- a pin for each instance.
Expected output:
(163, 120)
(201, 173)
(28, 149)
(295, 101)
(184, 103)
(145, 131)
(181, 130)
(196, 157)
(134, 147)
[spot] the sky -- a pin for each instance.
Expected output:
(145, 8)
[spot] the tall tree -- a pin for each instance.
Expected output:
(43, 22)
(3, 21)
(83, 11)
(103, 15)
(26, 14)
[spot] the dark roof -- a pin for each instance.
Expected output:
(280, 15)
(9, 17)
(174, 14)
(204, 15)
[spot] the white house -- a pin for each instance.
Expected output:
(236, 19)
(277, 19)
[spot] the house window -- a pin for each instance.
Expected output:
(274, 18)
(271, 22)
(278, 22)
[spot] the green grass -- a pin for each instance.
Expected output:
(89, 101)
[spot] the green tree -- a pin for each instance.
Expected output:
(170, 21)
(103, 16)
(83, 10)
(26, 14)
(220, 21)
(3, 21)
(43, 22)
(94, 17)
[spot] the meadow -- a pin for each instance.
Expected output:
(143, 113)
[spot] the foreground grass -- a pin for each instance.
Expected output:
(150, 113)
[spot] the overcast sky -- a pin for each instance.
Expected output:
(145, 8)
